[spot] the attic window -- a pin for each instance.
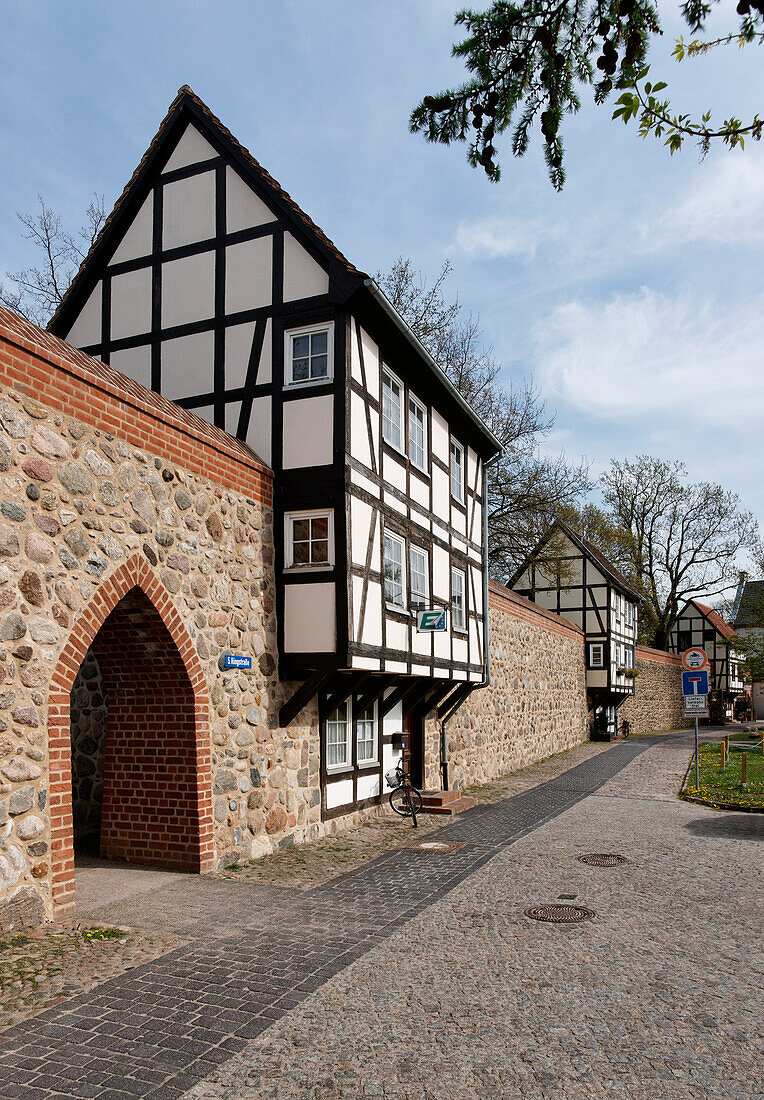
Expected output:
(597, 655)
(308, 356)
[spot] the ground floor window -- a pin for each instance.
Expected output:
(337, 740)
(366, 735)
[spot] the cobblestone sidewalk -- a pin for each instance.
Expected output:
(160, 1029)
(660, 996)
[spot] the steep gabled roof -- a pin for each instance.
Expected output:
(751, 607)
(586, 548)
(714, 619)
(188, 107)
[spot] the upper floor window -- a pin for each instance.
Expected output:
(307, 355)
(596, 655)
(394, 571)
(337, 738)
(309, 540)
(392, 410)
(366, 734)
(417, 433)
(457, 470)
(458, 610)
(418, 577)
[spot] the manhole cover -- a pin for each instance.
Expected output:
(602, 859)
(436, 846)
(560, 914)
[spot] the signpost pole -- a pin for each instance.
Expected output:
(697, 776)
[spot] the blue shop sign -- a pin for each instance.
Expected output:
(232, 661)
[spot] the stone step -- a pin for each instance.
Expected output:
(440, 798)
(455, 806)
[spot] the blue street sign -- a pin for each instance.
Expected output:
(428, 621)
(694, 683)
(232, 661)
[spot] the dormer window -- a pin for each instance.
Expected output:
(307, 355)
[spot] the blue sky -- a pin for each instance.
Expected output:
(634, 298)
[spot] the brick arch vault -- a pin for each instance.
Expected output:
(133, 590)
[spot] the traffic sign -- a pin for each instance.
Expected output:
(695, 659)
(429, 621)
(696, 706)
(694, 683)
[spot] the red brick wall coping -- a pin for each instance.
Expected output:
(504, 599)
(658, 655)
(43, 367)
(135, 572)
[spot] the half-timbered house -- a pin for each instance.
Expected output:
(565, 573)
(211, 286)
(701, 626)
(748, 621)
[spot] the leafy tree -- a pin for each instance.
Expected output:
(530, 59)
(685, 537)
(526, 490)
(36, 292)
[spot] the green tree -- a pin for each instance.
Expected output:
(526, 489)
(529, 61)
(685, 537)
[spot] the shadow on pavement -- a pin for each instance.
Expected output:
(729, 826)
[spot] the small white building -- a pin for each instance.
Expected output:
(567, 574)
(211, 286)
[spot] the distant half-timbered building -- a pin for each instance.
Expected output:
(211, 286)
(567, 574)
(748, 621)
(701, 626)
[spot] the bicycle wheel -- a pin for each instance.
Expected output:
(401, 804)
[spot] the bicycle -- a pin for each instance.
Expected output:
(405, 799)
(625, 729)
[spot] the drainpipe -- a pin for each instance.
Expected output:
(486, 647)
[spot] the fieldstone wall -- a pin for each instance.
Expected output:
(535, 704)
(80, 505)
(658, 702)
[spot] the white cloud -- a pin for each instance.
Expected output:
(494, 238)
(653, 356)
(724, 206)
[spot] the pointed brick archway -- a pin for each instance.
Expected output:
(134, 574)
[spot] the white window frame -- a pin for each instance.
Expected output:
(454, 443)
(387, 534)
(373, 760)
(422, 598)
(415, 403)
(595, 647)
(308, 330)
(289, 520)
(331, 721)
(399, 446)
(455, 625)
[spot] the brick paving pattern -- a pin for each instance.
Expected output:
(163, 1027)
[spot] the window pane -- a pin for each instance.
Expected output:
(457, 599)
(320, 527)
(418, 566)
(301, 530)
(457, 459)
(393, 571)
(320, 550)
(365, 735)
(300, 346)
(416, 434)
(300, 370)
(318, 366)
(318, 343)
(301, 553)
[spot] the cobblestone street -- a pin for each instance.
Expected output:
(418, 975)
